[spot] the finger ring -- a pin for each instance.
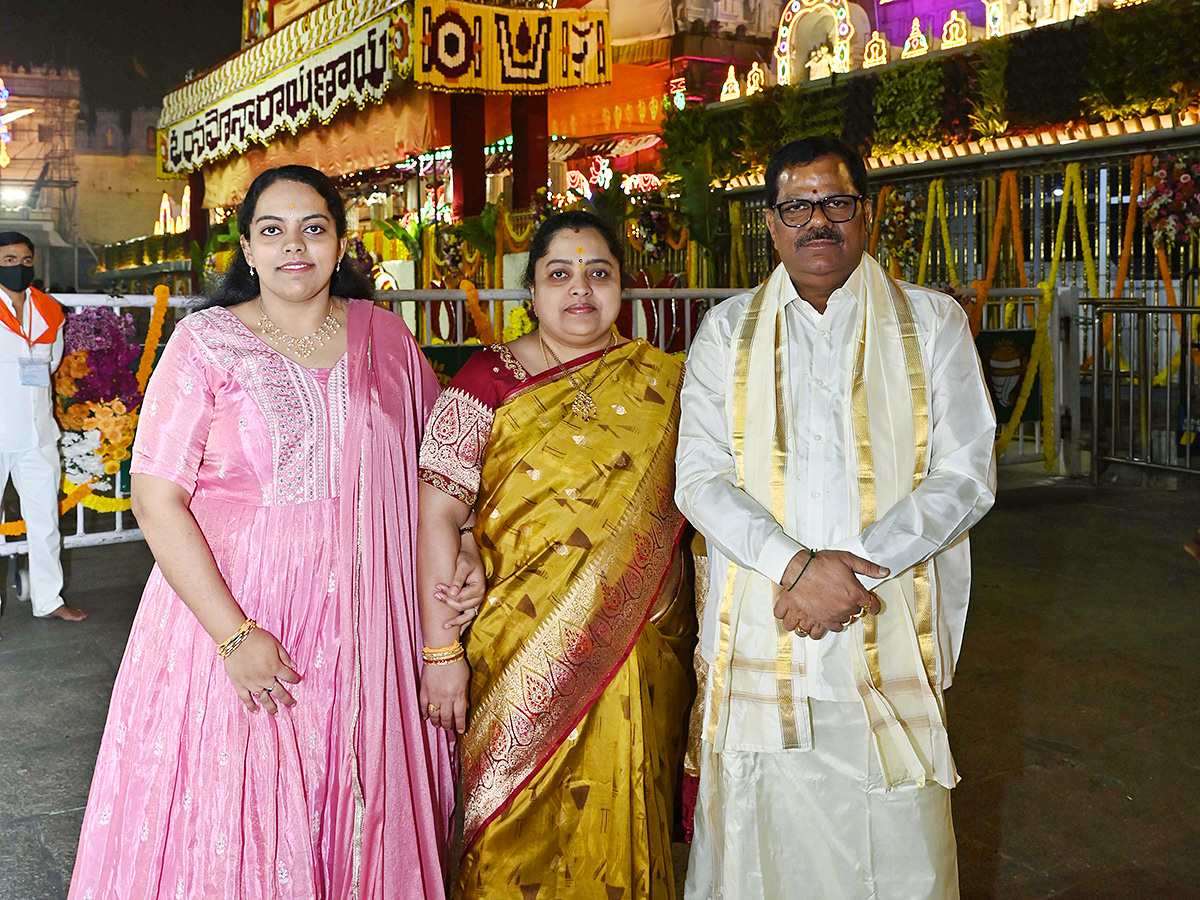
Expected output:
(433, 708)
(801, 632)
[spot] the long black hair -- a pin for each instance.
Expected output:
(239, 284)
(577, 219)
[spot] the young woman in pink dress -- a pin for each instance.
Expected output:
(265, 738)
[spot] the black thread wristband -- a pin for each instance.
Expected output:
(812, 554)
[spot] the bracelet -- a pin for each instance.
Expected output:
(441, 656)
(224, 649)
(812, 554)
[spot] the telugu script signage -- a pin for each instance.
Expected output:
(355, 69)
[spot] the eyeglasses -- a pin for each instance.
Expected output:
(836, 208)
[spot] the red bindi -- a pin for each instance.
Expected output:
(577, 231)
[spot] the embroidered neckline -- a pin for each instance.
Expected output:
(510, 361)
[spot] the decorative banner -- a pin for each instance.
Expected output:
(1005, 357)
(356, 69)
(477, 48)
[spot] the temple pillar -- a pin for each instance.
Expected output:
(531, 147)
(466, 154)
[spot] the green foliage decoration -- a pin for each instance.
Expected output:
(479, 231)
(1146, 59)
(908, 108)
(989, 118)
(218, 241)
(807, 112)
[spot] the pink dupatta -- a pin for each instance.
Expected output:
(401, 767)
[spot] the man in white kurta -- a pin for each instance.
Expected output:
(31, 347)
(835, 446)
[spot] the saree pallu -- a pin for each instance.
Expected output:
(578, 693)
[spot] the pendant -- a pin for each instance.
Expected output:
(584, 406)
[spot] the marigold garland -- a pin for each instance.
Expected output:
(115, 423)
(1041, 356)
(161, 295)
(75, 494)
(1008, 212)
(935, 206)
(483, 325)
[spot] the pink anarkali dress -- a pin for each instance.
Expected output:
(304, 484)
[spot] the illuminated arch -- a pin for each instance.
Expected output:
(794, 10)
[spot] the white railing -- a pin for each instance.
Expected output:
(666, 318)
(94, 528)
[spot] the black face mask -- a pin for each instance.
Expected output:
(16, 278)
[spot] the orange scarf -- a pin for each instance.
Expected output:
(50, 312)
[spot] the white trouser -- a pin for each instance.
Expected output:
(818, 824)
(36, 474)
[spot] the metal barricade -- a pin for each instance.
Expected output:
(1017, 311)
(665, 317)
(92, 528)
(1145, 398)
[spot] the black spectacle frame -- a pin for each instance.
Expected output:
(796, 213)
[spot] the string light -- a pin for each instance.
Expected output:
(916, 45)
(876, 51)
(954, 32)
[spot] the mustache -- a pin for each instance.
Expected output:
(823, 233)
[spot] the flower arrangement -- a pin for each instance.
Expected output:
(901, 225)
(1171, 207)
(650, 226)
(519, 323)
(97, 393)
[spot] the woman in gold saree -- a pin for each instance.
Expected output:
(561, 446)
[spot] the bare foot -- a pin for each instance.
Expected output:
(69, 613)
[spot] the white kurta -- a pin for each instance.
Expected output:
(958, 490)
(29, 451)
(820, 822)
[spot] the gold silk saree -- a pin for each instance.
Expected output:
(580, 656)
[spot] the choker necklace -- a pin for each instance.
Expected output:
(583, 405)
(304, 346)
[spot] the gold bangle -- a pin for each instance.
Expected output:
(446, 661)
(449, 653)
(227, 647)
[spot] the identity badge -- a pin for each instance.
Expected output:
(34, 372)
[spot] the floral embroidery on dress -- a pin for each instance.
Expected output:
(451, 457)
(302, 419)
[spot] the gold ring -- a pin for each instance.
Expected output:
(801, 632)
(433, 707)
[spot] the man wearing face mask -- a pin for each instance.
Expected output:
(31, 347)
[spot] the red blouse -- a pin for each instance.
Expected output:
(461, 422)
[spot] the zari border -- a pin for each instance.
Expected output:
(512, 733)
(720, 666)
(923, 595)
(867, 506)
(784, 639)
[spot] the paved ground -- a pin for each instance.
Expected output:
(1075, 717)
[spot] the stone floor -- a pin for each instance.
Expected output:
(1075, 715)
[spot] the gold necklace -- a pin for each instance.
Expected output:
(304, 346)
(583, 405)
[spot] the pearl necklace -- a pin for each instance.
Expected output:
(303, 346)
